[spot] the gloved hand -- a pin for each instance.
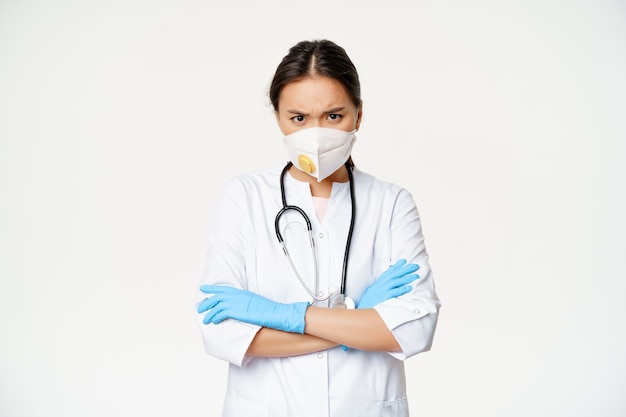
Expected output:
(233, 303)
(390, 284)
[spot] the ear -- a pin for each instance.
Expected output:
(359, 116)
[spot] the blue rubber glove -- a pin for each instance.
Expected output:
(233, 303)
(392, 283)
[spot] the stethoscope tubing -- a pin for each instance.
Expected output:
(309, 227)
(346, 252)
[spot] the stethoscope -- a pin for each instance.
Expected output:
(338, 300)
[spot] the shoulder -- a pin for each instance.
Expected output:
(376, 186)
(252, 181)
(389, 203)
(384, 196)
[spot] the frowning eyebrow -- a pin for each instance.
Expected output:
(329, 111)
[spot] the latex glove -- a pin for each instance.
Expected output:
(392, 283)
(233, 303)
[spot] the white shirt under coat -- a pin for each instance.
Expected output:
(243, 252)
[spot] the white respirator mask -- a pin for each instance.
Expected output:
(319, 151)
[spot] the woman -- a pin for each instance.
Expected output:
(286, 324)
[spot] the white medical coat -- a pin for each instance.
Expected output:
(243, 252)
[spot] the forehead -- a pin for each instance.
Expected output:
(313, 93)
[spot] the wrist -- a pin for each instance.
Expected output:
(291, 317)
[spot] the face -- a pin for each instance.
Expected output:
(316, 102)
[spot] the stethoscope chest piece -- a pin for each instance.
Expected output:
(342, 301)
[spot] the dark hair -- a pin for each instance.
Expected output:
(320, 57)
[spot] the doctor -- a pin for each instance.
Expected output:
(278, 290)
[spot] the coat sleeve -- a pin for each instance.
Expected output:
(412, 317)
(226, 265)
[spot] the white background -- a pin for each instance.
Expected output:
(120, 121)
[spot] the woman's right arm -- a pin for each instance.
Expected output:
(272, 343)
(231, 340)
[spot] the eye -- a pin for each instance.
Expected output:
(334, 117)
(298, 119)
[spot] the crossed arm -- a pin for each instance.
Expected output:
(297, 328)
(326, 328)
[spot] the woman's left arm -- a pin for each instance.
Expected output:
(401, 324)
(412, 317)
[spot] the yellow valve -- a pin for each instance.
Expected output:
(306, 164)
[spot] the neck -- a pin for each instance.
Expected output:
(324, 187)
